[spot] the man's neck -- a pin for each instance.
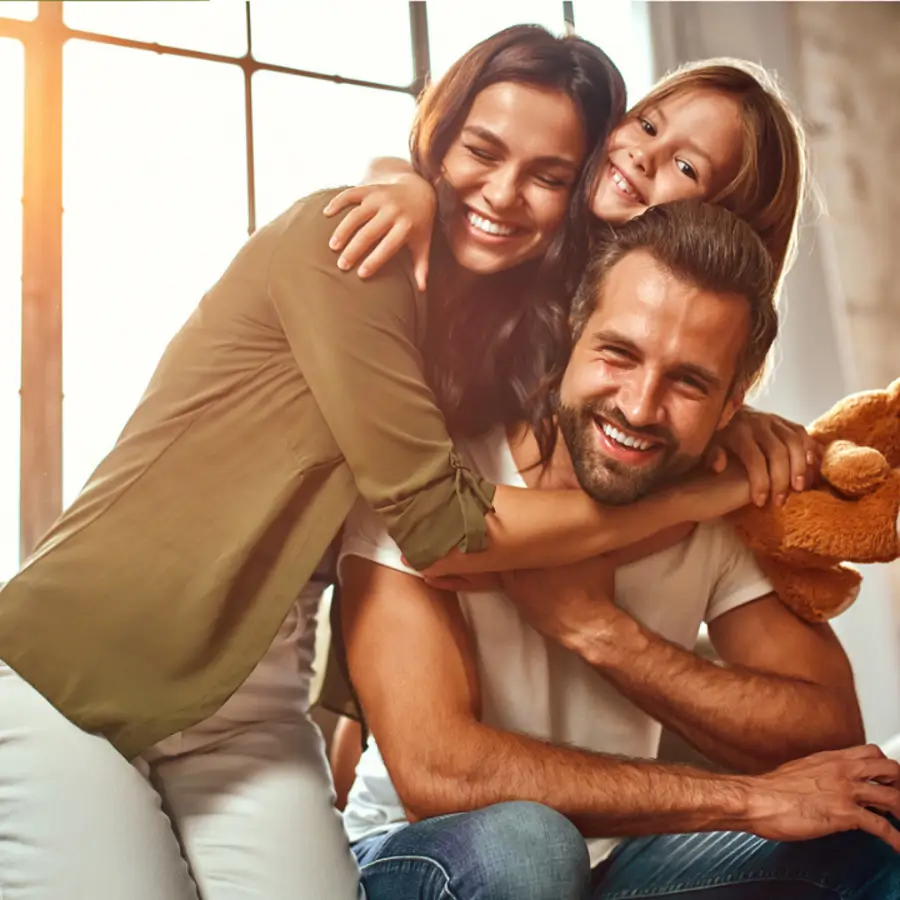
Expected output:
(557, 474)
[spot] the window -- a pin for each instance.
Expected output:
(12, 63)
(210, 27)
(456, 25)
(18, 9)
(155, 200)
(354, 38)
(622, 29)
(314, 134)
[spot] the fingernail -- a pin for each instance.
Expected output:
(799, 483)
(343, 264)
(760, 500)
(333, 243)
(810, 458)
(362, 271)
(327, 210)
(780, 499)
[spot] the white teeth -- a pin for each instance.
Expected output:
(622, 184)
(624, 439)
(489, 227)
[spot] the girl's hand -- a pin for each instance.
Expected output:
(705, 495)
(385, 218)
(778, 455)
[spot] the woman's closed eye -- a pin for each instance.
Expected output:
(481, 153)
(555, 182)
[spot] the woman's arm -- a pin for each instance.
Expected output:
(356, 344)
(392, 209)
(544, 528)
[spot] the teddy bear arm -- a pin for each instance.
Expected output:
(854, 470)
(814, 594)
(817, 523)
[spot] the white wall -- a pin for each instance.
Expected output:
(817, 358)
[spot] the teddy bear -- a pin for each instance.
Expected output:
(851, 516)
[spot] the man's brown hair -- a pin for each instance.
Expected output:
(705, 245)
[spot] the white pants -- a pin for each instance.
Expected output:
(238, 808)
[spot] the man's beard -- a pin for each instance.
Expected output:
(611, 481)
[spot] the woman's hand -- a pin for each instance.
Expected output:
(778, 455)
(385, 218)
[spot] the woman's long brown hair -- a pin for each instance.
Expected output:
(489, 348)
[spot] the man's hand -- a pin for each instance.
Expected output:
(827, 793)
(572, 605)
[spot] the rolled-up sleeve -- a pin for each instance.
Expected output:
(356, 345)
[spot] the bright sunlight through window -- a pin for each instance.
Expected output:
(155, 207)
(11, 115)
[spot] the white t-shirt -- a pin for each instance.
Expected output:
(532, 685)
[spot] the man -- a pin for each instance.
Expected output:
(553, 693)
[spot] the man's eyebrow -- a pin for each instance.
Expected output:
(611, 336)
(489, 137)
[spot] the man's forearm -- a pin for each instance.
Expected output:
(604, 795)
(746, 720)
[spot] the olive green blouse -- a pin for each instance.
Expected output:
(292, 387)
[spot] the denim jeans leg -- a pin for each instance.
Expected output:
(511, 851)
(737, 866)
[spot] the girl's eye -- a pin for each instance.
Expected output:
(647, 126)
(686, 169)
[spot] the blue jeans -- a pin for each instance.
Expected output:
(525, 851)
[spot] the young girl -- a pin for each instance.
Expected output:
(718, 130)
(159, 622)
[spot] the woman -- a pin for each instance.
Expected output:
(139, 628)
(718, 130)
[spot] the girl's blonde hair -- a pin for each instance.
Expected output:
(769, 189)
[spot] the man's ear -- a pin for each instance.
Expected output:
(734, 402)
